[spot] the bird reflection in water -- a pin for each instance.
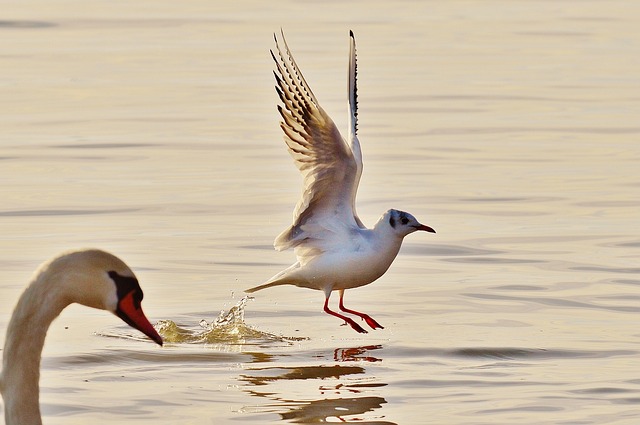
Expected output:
(319, 410)
(334, 381)
(356, 354)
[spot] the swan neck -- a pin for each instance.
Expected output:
(38, 306)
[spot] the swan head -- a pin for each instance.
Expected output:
(97, 279)
(402, 223)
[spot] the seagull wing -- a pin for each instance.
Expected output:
(330, 167)
(354, 143)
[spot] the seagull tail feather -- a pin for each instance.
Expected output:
(263, 286)
(282, 278)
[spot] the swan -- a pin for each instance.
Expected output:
(89, 277)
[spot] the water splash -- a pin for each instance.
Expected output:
(228, 328)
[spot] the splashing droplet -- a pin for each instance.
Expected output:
(228, 328)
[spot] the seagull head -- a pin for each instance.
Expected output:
(402, 223)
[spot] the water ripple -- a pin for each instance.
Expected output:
(26, 24)
(62, 212)
(445, 250)
(630, 270)
(491, 260)
(510, 353)
(556, 302)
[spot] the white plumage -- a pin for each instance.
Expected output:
(335, 250)
(90, 277)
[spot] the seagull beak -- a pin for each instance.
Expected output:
(130, 311)
(425, 228)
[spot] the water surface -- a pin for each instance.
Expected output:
(150, 130)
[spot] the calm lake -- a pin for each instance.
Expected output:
(149, 129)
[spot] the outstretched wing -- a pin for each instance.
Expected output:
(330, 168)
(354, 143)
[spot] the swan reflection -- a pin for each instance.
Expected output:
(345, 392)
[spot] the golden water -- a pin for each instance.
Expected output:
(149, 129)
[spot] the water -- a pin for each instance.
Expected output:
(150, 130)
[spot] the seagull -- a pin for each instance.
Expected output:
(335, 251)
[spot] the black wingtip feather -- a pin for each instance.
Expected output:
(273, 55)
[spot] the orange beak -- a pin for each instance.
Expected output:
(131, 312)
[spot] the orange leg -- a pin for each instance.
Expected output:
(372, 323)
(356, 327)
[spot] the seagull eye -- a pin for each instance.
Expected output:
(404, 220)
